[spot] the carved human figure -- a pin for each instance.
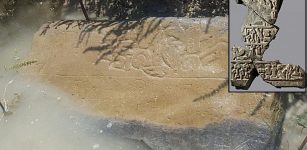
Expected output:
(283, 73)
(267, 33)
(241, 73)
(234, 53)
(259, 34)
(248, 36)
(274, 71)
(296, 74)
(279, 72)
(236, 68)
(247, 71)
(273, 13)
(258, 52)
(234, 71)
(267, 71)
(255, 35)
(289, 72)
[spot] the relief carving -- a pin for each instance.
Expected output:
(266, 9)
(258, 31)
(164, 56)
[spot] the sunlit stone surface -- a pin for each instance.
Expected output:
(170, 72)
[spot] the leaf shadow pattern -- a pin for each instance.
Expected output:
(70, 23)
(208, 24)
(213, 92)
(113, 39)
(56, 24)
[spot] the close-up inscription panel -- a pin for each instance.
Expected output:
(247, 61)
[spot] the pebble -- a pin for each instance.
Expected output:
(109, 125)
(95, 146)
(10, 82)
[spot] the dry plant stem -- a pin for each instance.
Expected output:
(2, 106)
(3, 102)
(84, 11)
(1, 117)
(303, 144)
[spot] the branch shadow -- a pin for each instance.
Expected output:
(208, 25)
(112, 39)
(213, 92)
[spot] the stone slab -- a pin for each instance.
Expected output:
(166, 71)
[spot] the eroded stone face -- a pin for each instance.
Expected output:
(266, 9)
(258, 31)
(281, 75)
(163, 70)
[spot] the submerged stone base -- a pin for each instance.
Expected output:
(228, 134)
(166, 71)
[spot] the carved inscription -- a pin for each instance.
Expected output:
(266, 9)
(259, 35)
(274, 71)
(258, 31)
(166, 56)
(258, 38)
(242, 71)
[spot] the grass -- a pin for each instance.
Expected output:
(19, 65)
(301, 120)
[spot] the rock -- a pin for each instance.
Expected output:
(228, 134)
(165, 71)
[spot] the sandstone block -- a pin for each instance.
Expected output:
(171, 72)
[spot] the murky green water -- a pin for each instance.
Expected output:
(41, 117)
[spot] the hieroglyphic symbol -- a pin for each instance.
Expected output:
(258, 31)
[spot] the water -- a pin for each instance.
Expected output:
(40, 116)
(44, 118)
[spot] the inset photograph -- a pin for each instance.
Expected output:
(267, 46)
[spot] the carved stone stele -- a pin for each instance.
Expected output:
(161, 79)
(258, 31)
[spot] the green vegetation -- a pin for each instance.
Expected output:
(20, 65)
(302, 120)
(127, 9)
